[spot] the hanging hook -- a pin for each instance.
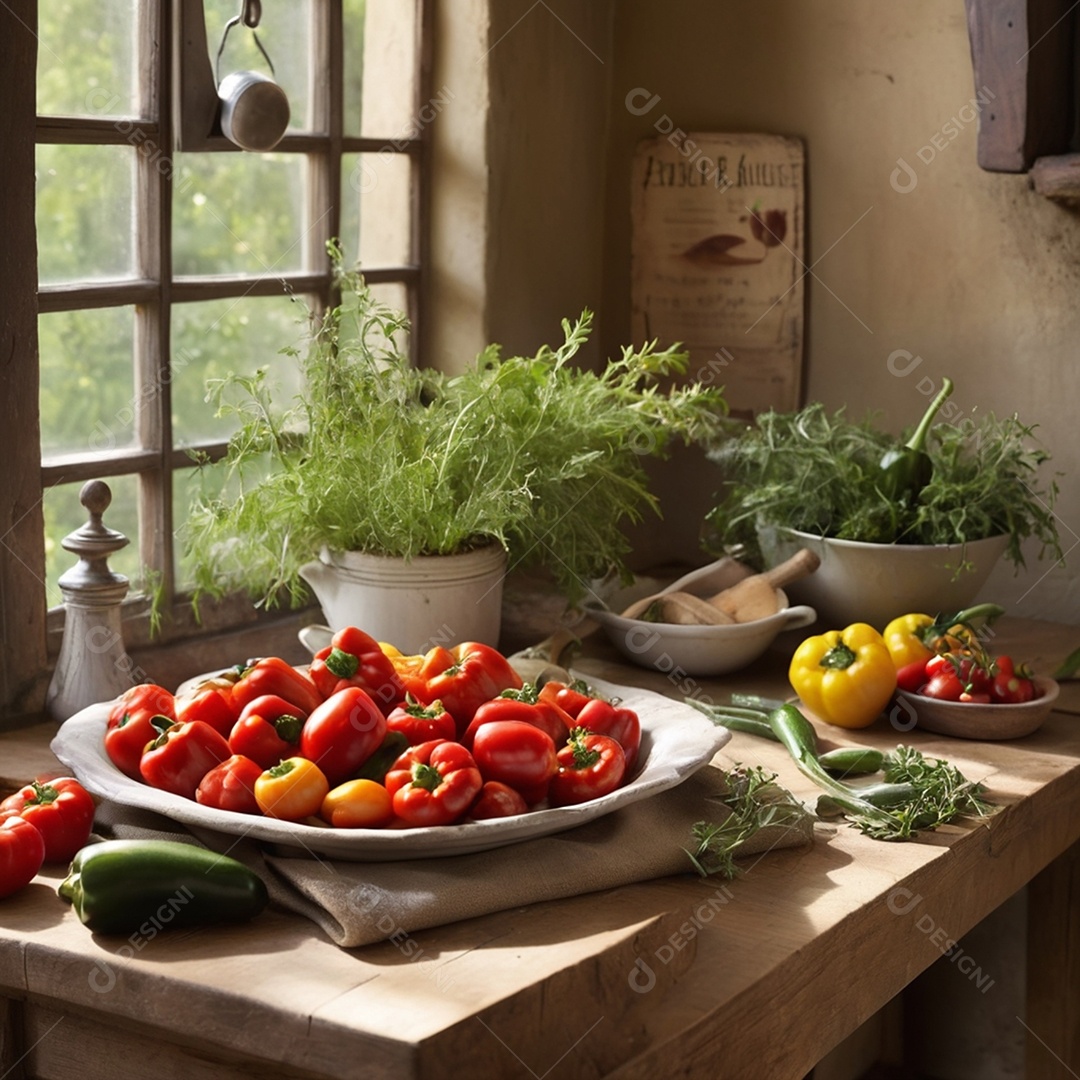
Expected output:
(250, 15)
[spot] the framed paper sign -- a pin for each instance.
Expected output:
(718, 260)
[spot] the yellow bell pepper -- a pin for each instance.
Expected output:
(845, 677)
(904, 640)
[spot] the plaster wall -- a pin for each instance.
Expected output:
(969, 271)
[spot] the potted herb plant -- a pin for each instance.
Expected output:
(379, 473)
(913, 525)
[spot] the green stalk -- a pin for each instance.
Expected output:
(798, 736)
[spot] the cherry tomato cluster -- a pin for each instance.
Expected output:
(968, 673)
(46, 821)
(369, 738)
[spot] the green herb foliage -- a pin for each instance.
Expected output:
(819, 472)
(754, 801)
(377, 456)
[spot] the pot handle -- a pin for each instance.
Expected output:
(799, 616)
(315, 637)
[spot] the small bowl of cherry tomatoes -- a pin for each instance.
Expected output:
(970, 695)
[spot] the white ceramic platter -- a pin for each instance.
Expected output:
(676, 741)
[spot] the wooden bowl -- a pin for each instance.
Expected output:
(970, 720)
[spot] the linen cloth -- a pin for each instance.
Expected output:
(359, 903)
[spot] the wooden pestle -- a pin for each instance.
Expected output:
(755, 597)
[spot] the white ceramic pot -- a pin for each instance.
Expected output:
(429, 600)
(874, 583)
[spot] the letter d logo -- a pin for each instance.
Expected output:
(642, 978)
(903, 178)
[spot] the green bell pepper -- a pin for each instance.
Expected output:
(138, 886)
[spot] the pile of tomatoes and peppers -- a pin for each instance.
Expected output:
(847, 677)
(367, 737)
(47, 821)
(947, 659)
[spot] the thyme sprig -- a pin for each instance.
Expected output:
(754, 802)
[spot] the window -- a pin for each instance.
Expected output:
(159, 267)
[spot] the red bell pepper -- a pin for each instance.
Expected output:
(126, 742)
(434, 783)
(354, 658)
(272, 675)
(268, 730)
(212, 703)
(22, 851)
(619, 723)
(231, 785)
(570, 697)
(181, 756)
(476, 673)
(129, 728)
(524, 705)
(422, 723)
(62, 810)
(589, 766)
(145, 698)
(342, 733)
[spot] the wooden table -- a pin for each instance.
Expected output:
(759, 977)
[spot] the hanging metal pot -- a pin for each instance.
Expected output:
(254, 109)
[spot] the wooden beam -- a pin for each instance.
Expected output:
(1058, 177)
(1022, 54)
(1053, 970)
(22, 529)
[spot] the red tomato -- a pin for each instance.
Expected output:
(620, 724)
(545, 715)
(231, 785)
(342, 733)
(434, 783)
(422, 723)
(357, 804)
(945, 686)
(22, 851)
(1011, 686)
(496, 801)
(62, 810)
(516, 753)
(589, 766)
(911, 677)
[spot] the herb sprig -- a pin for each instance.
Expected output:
(536, 453)
(818, 472)
(754, 801)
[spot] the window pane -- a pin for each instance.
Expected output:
(215, 337)
(86, 57)
(376, 217)
(380, 69)
(87, 380)
(64, 514)
(238, 213)
(85, 215)
(285, 33)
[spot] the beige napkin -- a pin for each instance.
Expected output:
(360, 903)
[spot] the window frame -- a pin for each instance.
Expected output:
(31, 634)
